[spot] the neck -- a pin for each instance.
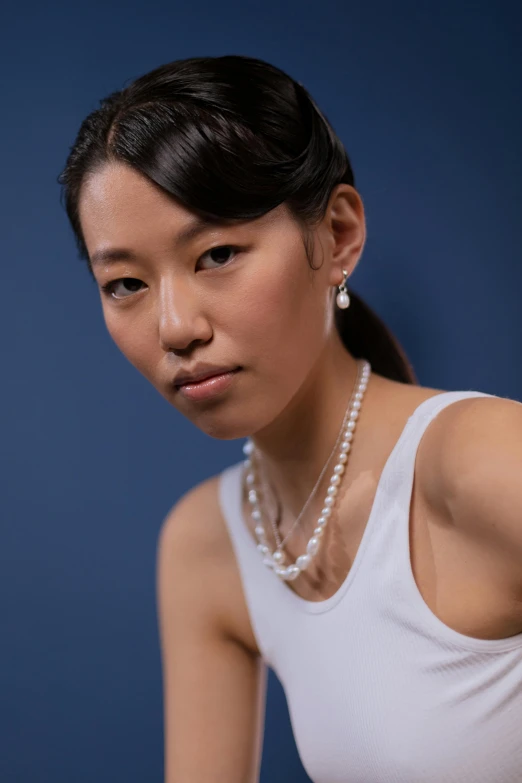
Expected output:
(295, 447)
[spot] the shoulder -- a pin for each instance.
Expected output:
(471, 470)
(193, 522)
(471, 440)
(194, 543)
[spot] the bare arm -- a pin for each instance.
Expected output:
(214, 687)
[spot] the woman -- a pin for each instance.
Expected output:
(368, 545)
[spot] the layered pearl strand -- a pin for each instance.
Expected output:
(276, 559)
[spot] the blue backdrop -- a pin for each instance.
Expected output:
(427, 99)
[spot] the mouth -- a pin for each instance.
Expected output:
(204, 378)
(209, 387)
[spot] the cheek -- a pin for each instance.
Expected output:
(283, 320)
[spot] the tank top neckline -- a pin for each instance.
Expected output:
(317, 607)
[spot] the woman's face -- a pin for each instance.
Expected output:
(254, 303)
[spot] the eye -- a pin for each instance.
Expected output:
(133, 282)
(221, 250)
(109, 288)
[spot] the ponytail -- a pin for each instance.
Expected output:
(366, 336)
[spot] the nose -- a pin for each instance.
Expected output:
(181, 320)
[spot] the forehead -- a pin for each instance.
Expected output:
(117, 195)
(120, 207)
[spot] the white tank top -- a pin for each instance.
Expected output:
(379, 690)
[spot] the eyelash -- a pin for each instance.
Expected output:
(108, 288)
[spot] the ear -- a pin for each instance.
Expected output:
(345, 225)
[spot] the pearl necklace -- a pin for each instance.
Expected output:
(276, 559)
(312, 494)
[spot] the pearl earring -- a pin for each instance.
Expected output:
(342, 299)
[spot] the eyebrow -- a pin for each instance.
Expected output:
(196, 227)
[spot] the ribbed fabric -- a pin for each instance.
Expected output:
(380, 690)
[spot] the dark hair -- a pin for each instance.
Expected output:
(230, 138)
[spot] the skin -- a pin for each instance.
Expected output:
(264, 309)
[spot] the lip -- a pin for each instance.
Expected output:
(208, 387)
(200, 373)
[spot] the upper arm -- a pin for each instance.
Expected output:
(213, 686)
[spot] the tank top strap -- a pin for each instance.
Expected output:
(259, 586)
(398, 480)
